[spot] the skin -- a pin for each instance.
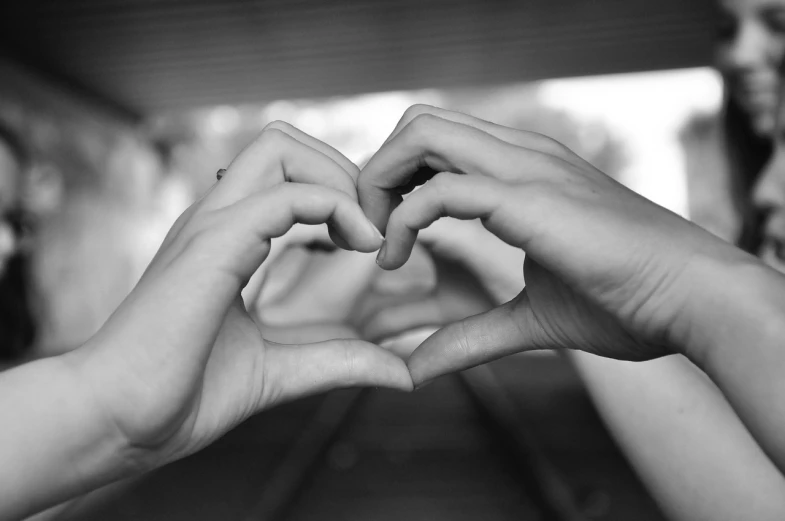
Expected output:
(751, 41)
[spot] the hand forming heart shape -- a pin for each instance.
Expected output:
(536, 196)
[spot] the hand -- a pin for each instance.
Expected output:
(181, 361)
(607, 271)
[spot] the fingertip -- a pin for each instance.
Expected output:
(351, 230)
(393, 254)
(420, 371)
(396, 374)
(338, 240)
(424, 383)
(375, 239)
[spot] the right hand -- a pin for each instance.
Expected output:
(607, 271)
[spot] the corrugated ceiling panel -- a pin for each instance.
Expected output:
(149, 55)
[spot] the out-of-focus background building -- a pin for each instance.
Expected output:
(129, 107)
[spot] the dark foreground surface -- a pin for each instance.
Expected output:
(381, 455)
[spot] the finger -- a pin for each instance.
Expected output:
(341, 160)
(238, 237)
(307, 333)
(440, 145)
(447, 195)
(416, 278)
(350, 168)
(404, 344)
(392, 321)
(507, 329)
(276, 157)
(522, 138)
(299, 370)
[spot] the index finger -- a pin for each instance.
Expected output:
(514, 136)
(438, 145)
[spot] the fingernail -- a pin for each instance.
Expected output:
(376, 230)
(381, 254)
(422, 384)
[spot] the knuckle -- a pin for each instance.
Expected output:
(282, 126)
(550, 145)
(441, 184)
(273, 137)
(354, 170)
(417, 109)
(424, 121)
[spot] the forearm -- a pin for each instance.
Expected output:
(55, 443)
(736, 334)
(686, 443)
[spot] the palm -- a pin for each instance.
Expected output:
(221, 398)
(565, 319)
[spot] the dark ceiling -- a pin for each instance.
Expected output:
(150, 55)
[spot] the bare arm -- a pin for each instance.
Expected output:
(685, 441)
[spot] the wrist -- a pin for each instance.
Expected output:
(55, 443)
(116, 456)
(734, 303)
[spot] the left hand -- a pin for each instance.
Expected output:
(181, 361)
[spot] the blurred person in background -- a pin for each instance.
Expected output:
(750, 45)
(722, 472)
(17, 322)
(768, 194)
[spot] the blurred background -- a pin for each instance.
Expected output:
(127, 108)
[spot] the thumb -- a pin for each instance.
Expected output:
(504, 330)
(293, 371)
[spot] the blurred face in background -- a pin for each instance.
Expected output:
(750, 45)
(769, 195)
(10, 174)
